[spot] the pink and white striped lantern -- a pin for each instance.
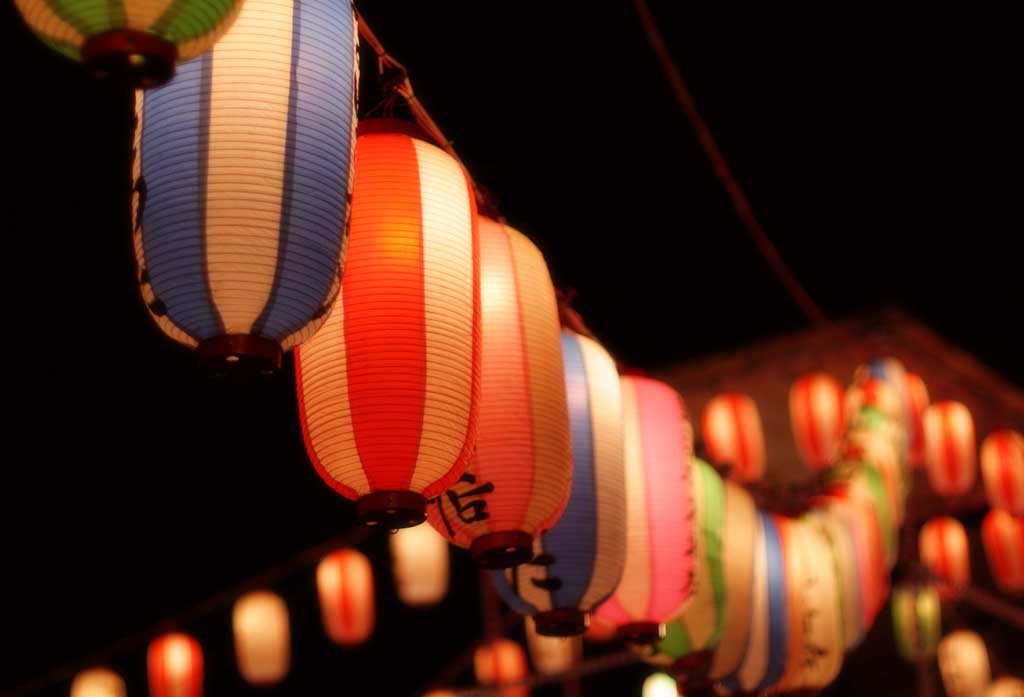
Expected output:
(1003, 538)
(942, 546)
(949, 448)
(1002, 468)
(917, 402)
(817, 417)
(733, 436)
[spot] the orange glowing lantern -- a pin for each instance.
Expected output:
(388, 387)
(344, 582)
(262, 637)
(816, 414)
(942, 545)
(500, 662)
(731, 427)
(917, 402)
(1002, 535)
(419, 562)
(174, 663)
(517, 482)
(98, 682)
(1002, 467)
(963, 664)
(949, 448)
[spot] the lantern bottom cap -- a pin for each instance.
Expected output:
(642, 632)
(134, 57)
(240, 355)
(561, 621)
(503, 549)
(391, 509)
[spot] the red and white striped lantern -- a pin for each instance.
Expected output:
(733, 436)
(816, 414)
(1003, 538)
(344, 582)
(949, 448)
(174, 664)
(942, 545)
(876, 393)
(500, 662)
(917, 402)
(1002, 468)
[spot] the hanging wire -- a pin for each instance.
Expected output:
(722, 170)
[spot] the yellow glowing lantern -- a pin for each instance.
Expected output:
(98, 682)
(344, 582)
(552, 654)
(419, 562)
(963, 663)
(262, 637)
(660, 685)
(500, 662)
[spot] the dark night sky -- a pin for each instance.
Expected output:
(874, 146)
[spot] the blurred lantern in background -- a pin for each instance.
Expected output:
(517, 481)
(1002, 535)
(875, 394)
(1005, 687)
(578, 563)
(916, 620)
(942, 546)
(917, 395)
(963, 664)
(552, 654)
(816, 415)
(174, 664)
(658, 445)
(500, 662)
(262, 637)
(419, 563)
(867, 487)
(733, 436)
(388, 388)
(98, 682)
(660, 685)
(1002, 467)
(830, 522)
(344, 583)
(242, 171)
(132, 41)
(949, 448)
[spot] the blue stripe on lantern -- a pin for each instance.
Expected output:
(317, 164)
(777, 618)
(175, 140)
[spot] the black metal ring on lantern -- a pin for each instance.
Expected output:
(560, 622)
(133, 57)
(391, 509)
(502, 550)
(240, 355)
(642, 632)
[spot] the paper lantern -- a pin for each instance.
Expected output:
(832, 525)
(867, 485)
(916, 621)
(660, 685)
(1005, 687)
(1002, 535)
(765, 655)
(419, 563)
(552, 654)
(700, 624)
(875, 394)
(137, 41)
(1002, 468)
(174, 664)
(963, 664)
(262, 637)
(344, 583)
(917, 402)
(880, 445)
(98, 682)
(517, 481)
(949, 448)
(859, 515)
(388, 387)
(816, 414)
(942, 546)
(500, 662)
(733, 436)
(656, 581)
(242, 172)
(739, 531)
(578, 563)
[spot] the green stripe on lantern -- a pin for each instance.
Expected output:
(80, 15)
(916, 620)
(185, 20)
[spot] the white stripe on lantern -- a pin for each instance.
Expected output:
(635, 588)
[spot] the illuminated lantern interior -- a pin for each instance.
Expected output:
(262, 637)
(660, 685)
(98, 682)
(963, 664)
(174, 664)
(344, 582)
(552, 654)
(419, 562)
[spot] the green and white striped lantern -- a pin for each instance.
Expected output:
(138, 41)
(916, 621)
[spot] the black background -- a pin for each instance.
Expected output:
(880, 151)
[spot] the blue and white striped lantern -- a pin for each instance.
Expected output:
(578, 563)
(242, 170)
